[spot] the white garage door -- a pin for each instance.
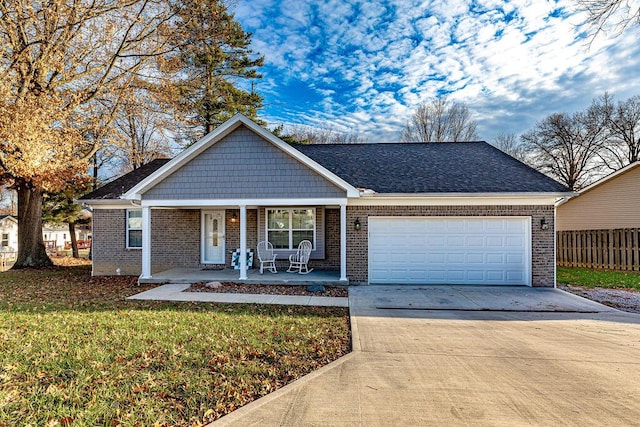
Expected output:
(450, 250)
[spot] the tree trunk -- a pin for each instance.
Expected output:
(31, 250)
(74, 242)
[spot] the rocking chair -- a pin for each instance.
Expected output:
(267, 257)
(298, 261)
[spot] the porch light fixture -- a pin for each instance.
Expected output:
(356, 224)
(543, 224)
(234, 217)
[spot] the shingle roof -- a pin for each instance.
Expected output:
(119, 186)
(411, 168)
(467, 167)
(2, 217)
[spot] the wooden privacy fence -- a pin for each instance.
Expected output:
(617, 249)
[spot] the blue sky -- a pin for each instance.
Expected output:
(364, 66)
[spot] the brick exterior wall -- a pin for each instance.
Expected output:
(542, 247)
(331, 242)
(232, 234)
(109, 250)
(175, 240)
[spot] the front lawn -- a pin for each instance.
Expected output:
(598, 278)
(74, 352)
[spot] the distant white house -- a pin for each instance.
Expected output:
(8, 233)
(56, 236)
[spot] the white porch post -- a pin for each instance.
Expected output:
(146, 243)
(343, 242)
(243, 242)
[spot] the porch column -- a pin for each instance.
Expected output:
(343, 242)
(243, 242)
(146, 243)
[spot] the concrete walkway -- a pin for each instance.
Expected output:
(175, 292)
(577, 364)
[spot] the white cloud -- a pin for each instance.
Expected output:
(371, 63)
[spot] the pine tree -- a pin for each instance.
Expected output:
(210, 68)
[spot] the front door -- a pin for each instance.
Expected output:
(213, 237)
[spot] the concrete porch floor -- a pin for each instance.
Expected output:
(194, 275)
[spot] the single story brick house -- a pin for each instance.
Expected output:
(434, 213)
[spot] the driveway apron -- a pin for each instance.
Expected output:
(468, 355)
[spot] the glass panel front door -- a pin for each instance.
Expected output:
(213, 237)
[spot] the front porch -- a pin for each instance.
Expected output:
(185, 244)
(195, 275)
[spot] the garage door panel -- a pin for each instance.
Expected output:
(454, 226)
(436, 258)
(514, 276)
(455, 241)
(474, 227)
(475, 241)
(476, 258)
(514, 241)
(515, 258)
(455, 276)
(436, 241)
(495, 275)
(495, 258)
(476, 275)
(495, 241)
(436, 226)
(478, 250)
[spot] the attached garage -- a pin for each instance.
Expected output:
(450, 250)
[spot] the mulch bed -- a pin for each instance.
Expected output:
(242, 288)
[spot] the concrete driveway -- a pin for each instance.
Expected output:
(439, 356)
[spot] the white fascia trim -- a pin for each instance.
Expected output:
(110, 204)
(218, 134)
(242, 202)
(455, 200)
(609, 177)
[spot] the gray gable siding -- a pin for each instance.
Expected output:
(243, 165)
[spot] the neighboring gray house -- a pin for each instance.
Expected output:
(436, 213)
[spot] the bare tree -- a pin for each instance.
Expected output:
(440, 121)
(616, 15)
(567, 146)
(142, 130)
(8, 202)
(623, 124)
(325, 134)
(510, 143)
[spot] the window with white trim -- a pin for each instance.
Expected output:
(134, 228)
(5, 240)
(286, 228)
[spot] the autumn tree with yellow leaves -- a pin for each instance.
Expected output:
(58, 60)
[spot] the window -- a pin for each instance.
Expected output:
(5, 240)
(134, 229)
(286, 228)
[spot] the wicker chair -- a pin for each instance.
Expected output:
(298, 261)
(267, 257)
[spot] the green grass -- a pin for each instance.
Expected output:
(598, 278)
(74, 352)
